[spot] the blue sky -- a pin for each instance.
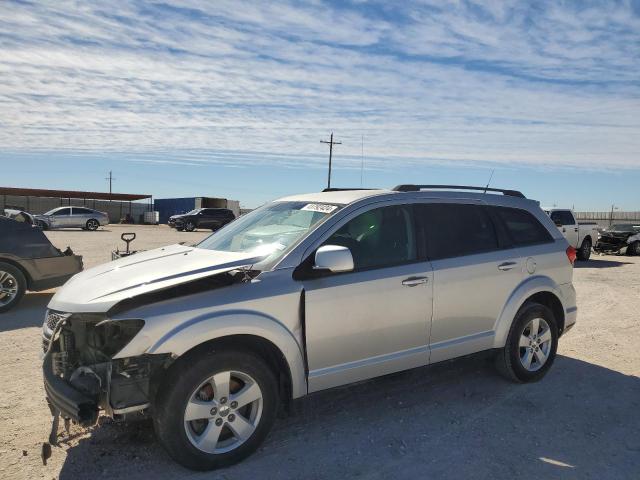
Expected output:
(220, 98)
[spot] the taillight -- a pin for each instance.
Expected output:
(571, 254)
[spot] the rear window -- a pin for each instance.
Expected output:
(523, 227)
(454, 230)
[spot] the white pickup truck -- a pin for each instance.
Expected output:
(581, 236)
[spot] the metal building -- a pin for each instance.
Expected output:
(39, 200)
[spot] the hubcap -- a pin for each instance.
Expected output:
(8, 288)
(535, 344)
(223, 412)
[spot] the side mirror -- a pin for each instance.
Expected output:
(333, 258)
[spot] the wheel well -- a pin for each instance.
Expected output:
(553, 303)
(19, 267)
(262, 347)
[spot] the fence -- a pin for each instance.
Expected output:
(604, 219)
(38, 205)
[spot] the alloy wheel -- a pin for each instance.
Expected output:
(8, 288)
(223, 412)
(535, 344)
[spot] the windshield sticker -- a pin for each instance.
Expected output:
(319, 207)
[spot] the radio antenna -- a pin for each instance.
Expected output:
(489, 182)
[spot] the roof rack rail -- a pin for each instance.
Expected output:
(417, 188)
(344, 189)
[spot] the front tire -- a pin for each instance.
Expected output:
(92, 225)
(13, 284)
(189, 226)
(634, 248)
(584, 253)
(531, 345)
(215, 409)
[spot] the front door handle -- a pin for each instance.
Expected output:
(413, 281)
(507, 266)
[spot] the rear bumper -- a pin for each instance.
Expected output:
(66, 400)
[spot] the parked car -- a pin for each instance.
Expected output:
(19, 216)
(580, 235)
(28, 261)
(73, 217)
(619, 236)
(209, 218)
(306, 293)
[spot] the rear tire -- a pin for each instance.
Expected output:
(584, 253)
(13, 285)
(193, 385)
(92, 225)
(531, 345)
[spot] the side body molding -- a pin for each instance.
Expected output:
(211, 326)
(526, 289)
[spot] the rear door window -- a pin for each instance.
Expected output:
(454, 230)
(81, 211)
(563, 217)
(523, 228)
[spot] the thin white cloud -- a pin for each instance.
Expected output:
(200, 81)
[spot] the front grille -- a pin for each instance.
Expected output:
(54, 318)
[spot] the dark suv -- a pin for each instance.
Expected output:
(212, 218)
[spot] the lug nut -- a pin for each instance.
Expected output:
(218, 422)
(213, 411)
(234, 404)
(223, 400)
(232, 417)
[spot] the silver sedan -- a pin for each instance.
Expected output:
(73, 217)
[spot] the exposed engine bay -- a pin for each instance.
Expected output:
(82, 378)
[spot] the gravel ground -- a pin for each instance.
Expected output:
(452, 420)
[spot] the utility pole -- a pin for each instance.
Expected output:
(331, 143)
(111, 179)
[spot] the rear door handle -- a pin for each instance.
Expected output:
(507, 266)
(413, 281)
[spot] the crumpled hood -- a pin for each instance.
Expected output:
(99, 288)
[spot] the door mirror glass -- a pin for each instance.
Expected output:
(333, 258)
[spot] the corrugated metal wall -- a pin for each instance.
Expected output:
(173, 206)
(604, 219)
(37, 205)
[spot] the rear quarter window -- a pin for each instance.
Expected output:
(522, 226)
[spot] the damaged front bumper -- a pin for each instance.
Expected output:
(83, 380)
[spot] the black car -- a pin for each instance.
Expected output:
(210, 218)
(28, 261)
(615, 237)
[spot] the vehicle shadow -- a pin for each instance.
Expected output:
(453, 420)
(28, 313)
(598, 263)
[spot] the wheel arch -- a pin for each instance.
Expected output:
(537, 289)
(24, 271)
(259, 334)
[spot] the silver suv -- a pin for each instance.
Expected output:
(306, 293)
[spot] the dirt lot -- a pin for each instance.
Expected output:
(454, 420)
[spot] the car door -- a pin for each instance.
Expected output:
(474, 273)
(79, 217)
(61, 218)
(207, 218)
(375, 319)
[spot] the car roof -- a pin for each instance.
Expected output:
(346, 197)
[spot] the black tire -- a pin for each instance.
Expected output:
(189, 226)
(183, 378)
(20, 282)
(179, 229)
(584, 252)
(508, 359)
(92, 224)
(634, 248)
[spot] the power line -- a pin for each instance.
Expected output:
(331, 143)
